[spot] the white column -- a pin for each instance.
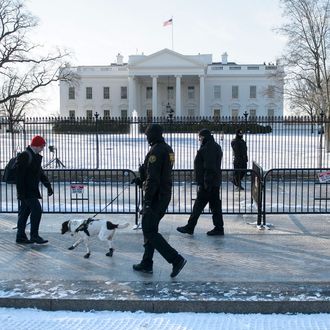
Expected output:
(178, 96)
(202, 95)
(154, 96)
(131, 95)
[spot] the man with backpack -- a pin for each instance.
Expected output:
(29, 174)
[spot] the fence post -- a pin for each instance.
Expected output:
(97, 139)
(321, 131)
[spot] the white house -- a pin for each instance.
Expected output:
(168, 82)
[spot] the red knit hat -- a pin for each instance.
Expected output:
(38, 141)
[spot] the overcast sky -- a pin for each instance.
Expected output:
(96, 31)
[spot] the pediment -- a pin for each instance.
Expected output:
(164, 59)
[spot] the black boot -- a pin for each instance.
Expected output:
(141, 267)
(185, 230)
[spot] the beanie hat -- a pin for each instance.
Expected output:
(204, 132)
(239, 133)
(37, 141)
(154, 133)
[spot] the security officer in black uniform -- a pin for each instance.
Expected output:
(157, 185)
(207, 166)
(240, 159)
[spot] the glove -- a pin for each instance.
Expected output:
(137, 181)
(50, 191)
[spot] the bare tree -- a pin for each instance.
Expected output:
(22, 69)
(306, 57)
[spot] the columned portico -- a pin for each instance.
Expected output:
(178, 95)
(154, 96)
(202, 95)
(131, 95)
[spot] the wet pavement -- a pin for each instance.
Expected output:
(285, 269)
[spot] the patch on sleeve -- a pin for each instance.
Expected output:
(172, 157)
(152, 158)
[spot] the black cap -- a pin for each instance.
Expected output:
(239, 131)
(204, 132)
(154, 133)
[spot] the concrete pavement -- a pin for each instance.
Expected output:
(285, 269)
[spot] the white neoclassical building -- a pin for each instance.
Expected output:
(166, 81)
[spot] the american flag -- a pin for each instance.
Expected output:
(169, 22)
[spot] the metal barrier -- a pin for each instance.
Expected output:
(233, 201)
(111, 191)
(303, 191)
(82, 191)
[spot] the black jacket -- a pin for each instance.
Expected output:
(239, 150)
(207, 163)
(29, 175)
(158, 165)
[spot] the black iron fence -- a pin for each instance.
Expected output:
(108, 143)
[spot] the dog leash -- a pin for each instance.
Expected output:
(109, 203)
(99, 211)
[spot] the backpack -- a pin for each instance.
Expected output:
(9, 173)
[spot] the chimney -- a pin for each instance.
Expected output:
(224, 58)
(120, 59)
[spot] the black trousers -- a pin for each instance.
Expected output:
(153, 240)
(239, 175)
(29, 207)
(203, 197)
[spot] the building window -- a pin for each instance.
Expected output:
(170, 92)
(72, 94)
(217, 92)
(106, 113)
(216, 112)
(234, 92)
(106, 93)
(270, 112)
(149, 93)
(234, 112)
(271, 91)
(253, 112)
(89, 93)
(89, 113)
(149, 113)
(123, 113)
(72, 114)
(253, 92)
(191, 92)
(123, 93)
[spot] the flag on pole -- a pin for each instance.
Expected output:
(169, 22)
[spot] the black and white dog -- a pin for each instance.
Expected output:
(89, 228)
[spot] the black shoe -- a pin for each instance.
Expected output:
(185, 230)
(216, 232)
(143, 268)
(38, 240)
(177, 267)
(23, 240)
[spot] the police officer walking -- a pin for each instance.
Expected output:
(157, 185)
(207, 166)
(240, 159)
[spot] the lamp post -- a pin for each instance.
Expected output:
(169, 112)
(246, 119)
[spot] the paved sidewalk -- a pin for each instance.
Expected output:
(271, 271)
